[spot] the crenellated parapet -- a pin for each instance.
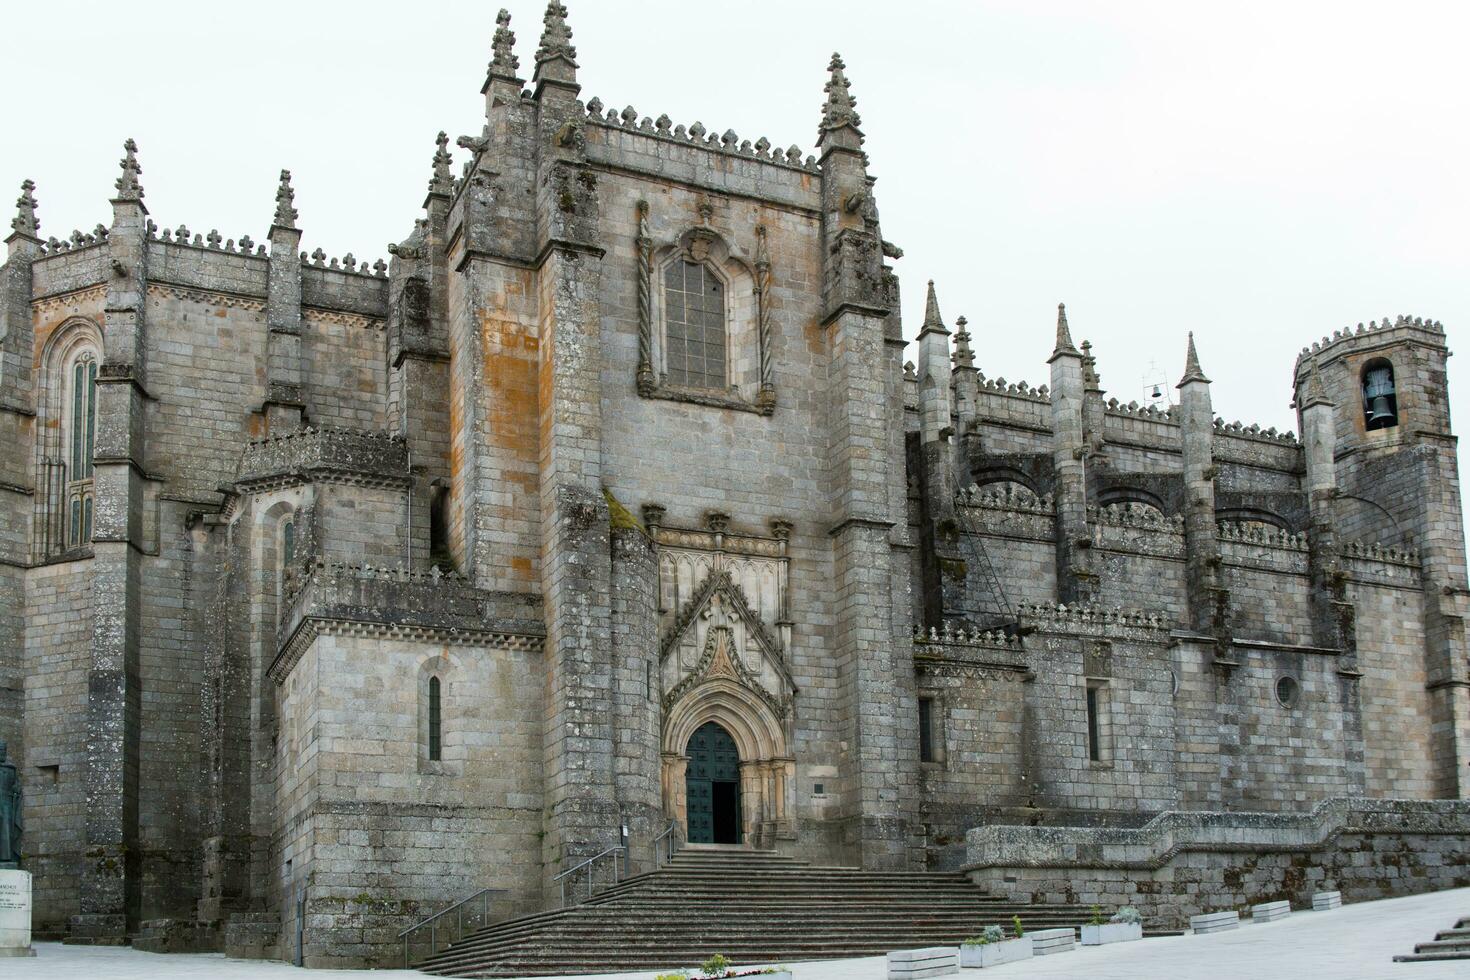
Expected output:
(935, 639)
(727, 143)
(325, 454)
(1137, 529)
(337, 598)
(1091, 620)
(1262, 536)
(1431, 331)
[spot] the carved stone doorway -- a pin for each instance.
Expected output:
(713, 786)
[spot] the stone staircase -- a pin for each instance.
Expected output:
(1448, 944)
(752, 906)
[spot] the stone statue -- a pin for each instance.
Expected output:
(10, 825)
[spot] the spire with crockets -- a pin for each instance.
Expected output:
(25, 222)
(285, 213)
(128, 187)
(839, 112)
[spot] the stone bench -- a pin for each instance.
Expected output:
(1044, 942)
(1326, 901)
(1214, 922)
(935, 961)
(1270, 911)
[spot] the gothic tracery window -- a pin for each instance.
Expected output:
(81, 430)
(695, 353)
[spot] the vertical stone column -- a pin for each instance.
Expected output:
(109, 884)
(1208, 600)
(1076, 582)
(18, 481)
(1333, 615)
(876, 672)
(943, 564)
(581, 797)
(636, 688)
(285, 396)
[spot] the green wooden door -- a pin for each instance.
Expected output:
(713, 784)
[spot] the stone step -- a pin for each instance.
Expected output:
(1444, 946)
(1431, 957)
(752, 908)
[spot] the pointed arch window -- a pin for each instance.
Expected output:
(81, 432)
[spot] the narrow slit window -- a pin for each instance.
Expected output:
(1094, 729)
(926, 729)
(435, 732)
(1099, 724)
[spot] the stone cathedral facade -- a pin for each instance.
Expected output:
(610, 504)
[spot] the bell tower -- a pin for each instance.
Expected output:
(1397, 483)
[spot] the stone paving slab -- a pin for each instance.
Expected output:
(1355, 942)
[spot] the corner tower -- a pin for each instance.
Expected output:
(1397, 483)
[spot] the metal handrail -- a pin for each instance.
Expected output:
(668, 832)
(590, 875)
(432, 922)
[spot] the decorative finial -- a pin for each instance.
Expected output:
(1192, 370)
(1315, 393)
(128, 188)
(839, 110)
(556, 38)
(964, 357)
(1064, 333)
(443, 180)
(24, 222)
(285, 213)
(504, 63)
(933, 322)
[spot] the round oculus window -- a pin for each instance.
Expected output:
(1287, 691)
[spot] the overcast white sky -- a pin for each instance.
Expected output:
(1260, 173)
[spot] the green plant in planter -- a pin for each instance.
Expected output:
(1016, 924)
(988, 935)
(776, 969)
(716, 966)
(1127, 915)
(1097, 918)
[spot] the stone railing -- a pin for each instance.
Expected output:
(1090, 619)
(1381, 552)
(1133, 515)
(950, 636)
(1182, 863)
(1006, 496)
(1264, 537)
(321, 450)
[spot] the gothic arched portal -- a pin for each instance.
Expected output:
(712, 783)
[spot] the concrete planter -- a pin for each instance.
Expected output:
(1214, 922)
(914, 964)
(994, 954)
(1270, 911)
(1111, 932)
(1048, 941)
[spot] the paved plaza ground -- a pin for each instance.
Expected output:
(1356, 942)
